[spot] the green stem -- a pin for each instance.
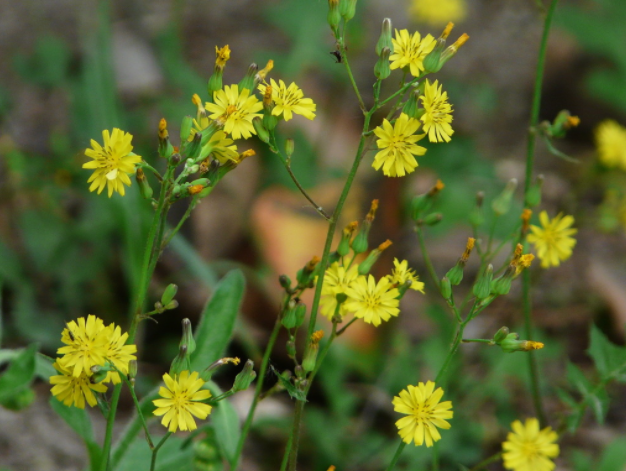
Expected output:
(283, 465)
(295, 432)
(396, 456)
(453, 349)
(257, 393)
(138, 407)
(486, 461)
(530, 158)
(344, 56)
(156, 450)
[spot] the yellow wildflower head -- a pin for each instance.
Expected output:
(73, 390)
(437, 113)
(112, 162)
(289, 100)
(527, 448)
(409, 50)
(438, 12)
(424, 413)
(611, 144)
(336, 280)
(180, 401)
(373, 302)
(553, 240)
(397, 146)
(235, 110)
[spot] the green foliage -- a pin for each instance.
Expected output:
(47, 66)
(172, 455)
(609, 359)
(217, 321)
(18, 377)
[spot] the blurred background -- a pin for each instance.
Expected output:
(72, 68)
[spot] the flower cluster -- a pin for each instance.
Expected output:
(92, 356)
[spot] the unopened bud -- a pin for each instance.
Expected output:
(533, 197)
(432, 219)
(382, 69)
(169, 293)
(310, 357)
(344, 245)
(452, 50)
(305, 275)
(144, 186)
(502, 203)
(181, 362)
(285, 282)
(245, 377)
(334, 17)
(501, 334)
(360, 242)
(384, 39)
(260, 130)
(446, 288)
(185, 128)
(482, 287)
(289, 147)
(347, 8)
(249, 79)
(366, 265)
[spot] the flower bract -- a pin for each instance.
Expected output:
(553, 240)
(424, 413)
(289, 100)
(373, 302)
(437, 113)
(180, 403)
(74, 390)
(410, 50)
(397, 146)
(611, 143)
(112, 162)
(529, 449)
(236, 109)
(402, 273)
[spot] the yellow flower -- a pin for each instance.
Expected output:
(553, 241)
(397, 146)
(611, 143)
(180, 403)
(424, 413)
(86, 345)
(289, 100)
(236, 110)
(437, 113)
(438, 12)
(410, 50)
(111, 163)
(529, 449)
(402, 273)
(373, 302)
(73, 390)
(336, 280)
(117, 352)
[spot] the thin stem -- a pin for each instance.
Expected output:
(257, 393)
(344, 56)
(427, 262)
(396, 456)
(452, 351)
(530, 160)
(138, 407)
(156, 450)
(295, 432)
(283, 465)
(173, 232)
(343, 329)
(486, 461)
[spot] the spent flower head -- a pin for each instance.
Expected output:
(437, 113)
(236, 110)
(409, 50)
(424, 413)
(180, 403)
(553, 240)
(529, 449)
(289, 100)
(397, 146)
(611, 143)
(112, 162)
(373, 302)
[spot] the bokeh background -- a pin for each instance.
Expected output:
(71, 68)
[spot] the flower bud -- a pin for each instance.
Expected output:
(360, 242)
(181, 362)
(366, 265)
(563, 122)
(248, 80)
(185, 128)
(194, 147)
(382, 68)
(446, 288)
(289, 147)
(452, 50)
(533, 197)
(501, 334)
(384, 39)
(502, 203)
(245, 377)
(502, 285)
(482, 287)
(289, 319)
(165, 148)
(169, 293)
(423, 203)
(476, 216)
(310, 357)
(455, 274)
(432, 62)
(99, 373)
(144, 187)
(334, 17)
(187, 339)
(347, 9)
(511, 344)
(432, 219)
(344, 244)
(291, 347)
(285, 282)
(412, 106)
(305, 275)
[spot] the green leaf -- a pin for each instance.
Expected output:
(610, 360)
(170, 456)
(43, 367)
(578, 380)
(218, 320)
(289, 386)
(599, 403)
(574, 419)
(613, 456)
(19, 374)
(226, 425)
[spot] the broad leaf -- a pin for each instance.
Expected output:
(76, 418)
(578, 379)
(226, 425)
(610, 360)
(217, 322)
(19, 374)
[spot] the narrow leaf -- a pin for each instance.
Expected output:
(76, 418)
(217, 321)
